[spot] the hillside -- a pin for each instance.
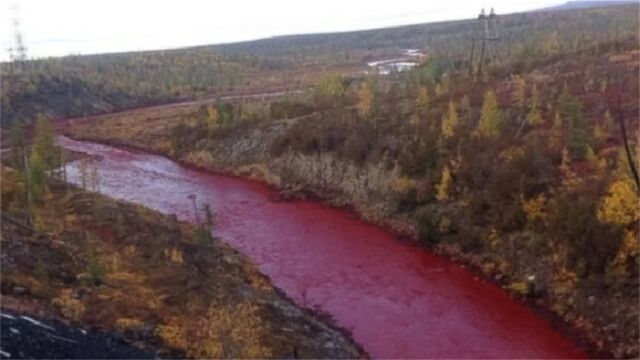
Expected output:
(523, 170)
(151, 283)
(94, 84)
(552, 220)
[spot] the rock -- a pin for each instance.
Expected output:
(230, 260)
(329, 344)
(19, 290)
(498, 277)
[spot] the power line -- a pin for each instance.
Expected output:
(17, 53)
(486, 31)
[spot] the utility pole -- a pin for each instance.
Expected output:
(17, 53)
(486, 30)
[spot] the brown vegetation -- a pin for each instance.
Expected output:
(113, 265)
(510, 174)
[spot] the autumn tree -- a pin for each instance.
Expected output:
(36, 176)
(491, 118)
(366, 98)
(534, 117)
(565, 102)
(445, 185)
(422, 100)
(620, 208)
(43, 143)
(449, 121)
(578, 135)
(519, 92)
(330, 91)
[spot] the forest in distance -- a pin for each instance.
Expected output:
(92, 84)
(523, 170)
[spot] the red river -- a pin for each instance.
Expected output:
(399, 301)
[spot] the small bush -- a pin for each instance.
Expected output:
(428, 223)
(96, 272)
(69, 307)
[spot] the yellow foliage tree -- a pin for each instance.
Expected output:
(403, 185)
(449, 121)
(422, 101)
(621, 205)
(534, 117)
(557, 121)
(446, 183)
(366, 97)
(491, 117)
(628, 250)
(235, 333)
(331, 86)
(534, 208)
(551, 45)
(519, 88)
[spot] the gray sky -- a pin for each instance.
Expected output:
(62, 27)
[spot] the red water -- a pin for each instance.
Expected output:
(399, 301)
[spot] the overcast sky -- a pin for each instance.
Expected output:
(62, 27)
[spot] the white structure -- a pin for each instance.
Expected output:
(412, 57)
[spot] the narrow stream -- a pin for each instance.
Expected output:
(399, 301)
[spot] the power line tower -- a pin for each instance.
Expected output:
(486, 31)
(17, 53)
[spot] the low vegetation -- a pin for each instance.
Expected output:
(526, 171)
(521, 171)
(94, 84)
(163, 285)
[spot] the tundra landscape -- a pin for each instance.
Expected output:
(454, 189)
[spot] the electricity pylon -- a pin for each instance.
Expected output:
(486, 31)
(17, 53)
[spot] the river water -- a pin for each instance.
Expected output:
(399, 301)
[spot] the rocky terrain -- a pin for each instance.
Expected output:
(24, 337)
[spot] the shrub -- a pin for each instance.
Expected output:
(428, 224)
(96, 271)
(70, 307)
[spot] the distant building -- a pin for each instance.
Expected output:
(412, 57)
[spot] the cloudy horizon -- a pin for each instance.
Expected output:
(87, 27)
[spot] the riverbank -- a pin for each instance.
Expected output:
(100, 263)
(403, 228)
(372, 193)
(390, 283)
